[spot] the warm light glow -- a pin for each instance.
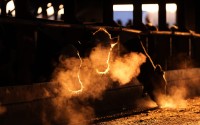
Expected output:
(50, 11)
(13, 13)
(150, 7)
(173, 102)
(61, 6)
(79, 79)
(39, 10)
(171, 7)
(150, 14)
(126, 67)
(49, 4)
(10, 6)
(61, 11)
(107, 62)
(123, 13)
(123, 7)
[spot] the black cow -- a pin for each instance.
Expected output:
(101, 38)
(151, 76)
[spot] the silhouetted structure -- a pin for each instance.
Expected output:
(30, 45)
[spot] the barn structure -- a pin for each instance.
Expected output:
(33, 35)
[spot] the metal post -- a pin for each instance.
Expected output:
(69, 12)
(170, 46)
(107, 12)
(137, 17)
(162, 16)
(147, 44)
(190, 47)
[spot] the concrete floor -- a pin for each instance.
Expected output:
(189, 114)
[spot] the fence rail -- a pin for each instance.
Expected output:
(60, 24)
(27, 41)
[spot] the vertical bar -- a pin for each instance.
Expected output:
(190, 47)
(35, 38)
(107, 12)
(137, 14)
(147, 44)
(69, 11)
(162, 15)
(197, 16)
(170, 46)
(181, 15)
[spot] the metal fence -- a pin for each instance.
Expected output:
(33, 44)
(173, 50)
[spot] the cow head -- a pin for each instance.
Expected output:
(159, 84)
(102, 37)
(160, 78)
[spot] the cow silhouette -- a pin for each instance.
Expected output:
(151, 76)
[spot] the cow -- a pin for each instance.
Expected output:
(151, 76)
(100, 37)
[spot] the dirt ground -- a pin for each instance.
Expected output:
(187, 114)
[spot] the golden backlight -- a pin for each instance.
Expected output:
(123, 7)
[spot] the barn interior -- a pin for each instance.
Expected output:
(35, 36)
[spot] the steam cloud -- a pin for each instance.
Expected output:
(123, 69)
(179, 91)
(185, 83)
(176, 97)
(72, 105)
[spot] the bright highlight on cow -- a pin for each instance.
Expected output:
(107, 62)
(78, 76)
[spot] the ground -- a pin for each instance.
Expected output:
(189, 114)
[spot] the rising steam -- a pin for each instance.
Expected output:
(123, 69)
(89, 82)
(176, 97)
(185, 84)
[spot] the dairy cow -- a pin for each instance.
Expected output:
(151, 76)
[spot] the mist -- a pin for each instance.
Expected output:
(123, 69)
(83, 79)
(182, 84)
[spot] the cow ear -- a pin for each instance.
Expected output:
(158, 69)
(114, 39)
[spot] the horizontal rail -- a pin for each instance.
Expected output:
(35, 23)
